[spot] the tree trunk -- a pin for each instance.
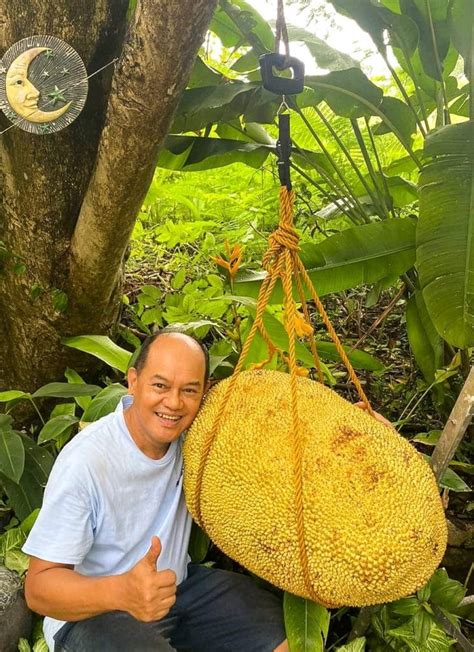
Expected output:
(69, 200)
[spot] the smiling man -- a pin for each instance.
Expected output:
(109, 564)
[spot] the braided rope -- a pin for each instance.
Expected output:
(297, 439)
(312, 339)
(265, 293)
(282, 261)
(334, 336)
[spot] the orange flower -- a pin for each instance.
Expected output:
(234, 261)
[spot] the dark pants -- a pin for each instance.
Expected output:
(215, 611)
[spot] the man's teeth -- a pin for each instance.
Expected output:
(167, 416)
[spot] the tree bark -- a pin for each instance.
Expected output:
(69, 200)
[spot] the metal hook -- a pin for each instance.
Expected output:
(283, 106)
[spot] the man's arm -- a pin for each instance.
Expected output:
(56, 590)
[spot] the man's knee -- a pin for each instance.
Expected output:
(112, 632)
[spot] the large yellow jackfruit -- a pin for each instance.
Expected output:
(374, 524)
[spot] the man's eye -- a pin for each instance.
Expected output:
(190, 390)
(158, 385)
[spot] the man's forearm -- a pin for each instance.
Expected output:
(66, 595)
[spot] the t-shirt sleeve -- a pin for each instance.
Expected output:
(64, 530)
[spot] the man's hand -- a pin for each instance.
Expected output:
(149, 593)
(376, 415)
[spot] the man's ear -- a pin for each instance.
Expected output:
(132, 377)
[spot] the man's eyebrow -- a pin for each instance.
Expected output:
(196, 383)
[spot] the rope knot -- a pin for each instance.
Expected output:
(285, 237)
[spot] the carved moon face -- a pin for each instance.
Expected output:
(22, 95)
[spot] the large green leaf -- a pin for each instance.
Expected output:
(57, 426)
(377, 20)
(203, 75)
(433, 30)
(445, 242)
(101, 347)
(324, 55)
(191, 153)
(11, 395)
(199, 107)
(27, 495)
(326, 350)
(436, 640)
(425, 341)
(362, 254)
(357, 645)
(105, 402)
(12, 454)
(461, 21)
(38, 459)
(237, 23)
(400, 115)
(306, 624)
(349, 93)
(66, 390)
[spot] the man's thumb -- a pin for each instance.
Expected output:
(153, 552)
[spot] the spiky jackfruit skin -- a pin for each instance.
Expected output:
(375, 529)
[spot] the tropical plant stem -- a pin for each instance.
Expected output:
(406, 97)
(375, 111)
(471, 76)
(344, 206)
(387, 196)
(36, 408)
(379, 199)
(345, 151)
(447, 119)
(331, 160)
(335, 188)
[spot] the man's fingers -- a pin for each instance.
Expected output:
(153, 552)
(363, 406)
(167, 578)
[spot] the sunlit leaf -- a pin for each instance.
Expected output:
(101, 347)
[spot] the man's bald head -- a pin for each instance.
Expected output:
(141, 359)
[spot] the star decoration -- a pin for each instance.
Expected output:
(3, 70)
(57, 95)
(44, 129)
(49, 54)
(45, 73)
(65, 71)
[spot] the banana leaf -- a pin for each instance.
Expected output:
(363, 254)
(445, 242)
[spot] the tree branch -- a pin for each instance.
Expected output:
(152, 73)
(455, 428)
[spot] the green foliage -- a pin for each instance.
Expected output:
(306, 624)
(445, 259)
(410, 623)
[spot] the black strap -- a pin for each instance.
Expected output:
(284, 149)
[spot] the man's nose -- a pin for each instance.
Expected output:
(173, 399)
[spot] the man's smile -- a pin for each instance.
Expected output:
(168, 417)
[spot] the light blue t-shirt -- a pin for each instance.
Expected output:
(104, 501)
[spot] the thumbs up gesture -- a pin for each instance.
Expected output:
(150, 593)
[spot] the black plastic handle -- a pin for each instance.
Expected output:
(282, 85)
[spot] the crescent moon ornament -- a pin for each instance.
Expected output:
(43, 84)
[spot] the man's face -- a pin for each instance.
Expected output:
(167, 393)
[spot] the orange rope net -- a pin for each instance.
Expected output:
(282, 261)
